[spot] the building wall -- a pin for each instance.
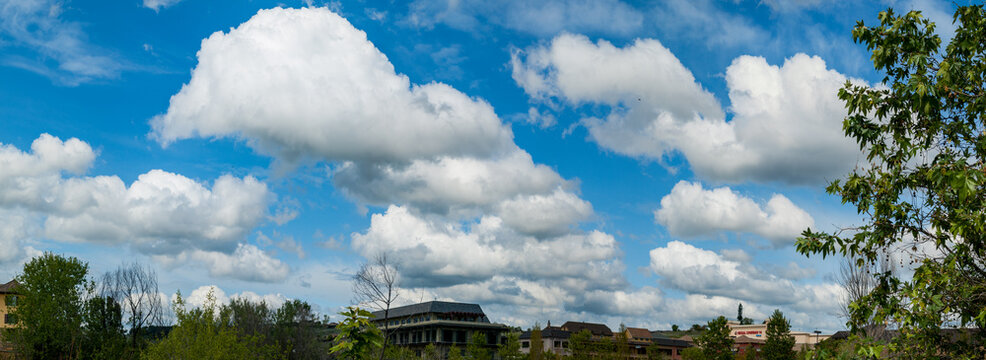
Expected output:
(757, 331)
(7, 303)
(547, 344)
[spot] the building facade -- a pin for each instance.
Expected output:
(10, 297)
(553, 339)
(441, 323)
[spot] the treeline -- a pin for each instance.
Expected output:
(61, 313)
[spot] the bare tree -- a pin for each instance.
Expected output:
(135, 287)
(858, 281)
(376, 285)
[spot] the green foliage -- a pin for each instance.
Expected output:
(537, 345)
(431, 353)
(207, 332)
(103, 330)
(358, 338)
(675, 328)
(925, 185)
(454, 353)
(295, 331)
(693, 353)
(581, 345)
(654, 353)
(715, 342)
(476, 350)
(780, 343)
(511, 349)
(50, 310)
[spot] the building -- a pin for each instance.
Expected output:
(668, 347)
(598, 331)
(553, 339)
(440, 323)
(744, 344)
(10, 298)
(759, 331)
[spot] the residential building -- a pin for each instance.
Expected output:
(10, 297)
(441, 323)
(553, 339)
(598, 331)
(668, 347)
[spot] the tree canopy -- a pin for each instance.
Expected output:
(50, 312)
(921, 192)
(715, 342)
(780, 343)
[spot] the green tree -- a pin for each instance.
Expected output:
(358, 338)
(454, 353)
(693, 353)
(675, 328)
(715, 342)
(780, 343)
(207, 332)
(654, 352)
(476, 349)
(924, 186)
(621, 343)
(295, 331)
(510, 350)
(430, 353)
(103, 330)
(537, 345)
(580, 344)
(51, 306)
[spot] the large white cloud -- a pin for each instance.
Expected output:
(160, 213)
(690, 210)
(540, 17)
(786, 123)
(305, 83)
(704, 272)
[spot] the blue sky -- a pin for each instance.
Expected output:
(646, 163)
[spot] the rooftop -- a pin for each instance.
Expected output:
(442, 307)
(595, 329)
(9, 287)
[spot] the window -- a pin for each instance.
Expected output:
(9, 319)
(564, 344)
(525, 344)
(11, 300)
(557, 344)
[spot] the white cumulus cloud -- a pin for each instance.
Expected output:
(691, 210)
(305, 83)
(786, 120)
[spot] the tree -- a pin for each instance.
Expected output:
(859, 281)
(621, 343)
(780, 343)
(431, 353)
(295, 331)
(103, 330)
(510, 350)
(739, 313)
(580, 344)
(357, 338)
(207, 332)
(375, 284)
(476, 349)
(692, 353)
(715, 342)
(454, 353)
(923, 187)
(654, 352)
(136, 288)
(537, 345)
(51, 307)
(675, 328)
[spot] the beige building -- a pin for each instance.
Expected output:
(759, 331)
(10, 297)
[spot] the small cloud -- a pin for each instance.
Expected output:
(330, 242)
(375, 14)
(157, 5)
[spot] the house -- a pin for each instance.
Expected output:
(670, 348)
(441, 323)
(743, 344)
(553, 339)
(10, 297)
(598, 331)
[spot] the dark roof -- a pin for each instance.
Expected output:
(595, 329)
(840, 335)
(550, 332)
(9, 288)
(639, 333)
(663, 341)
(742, 339)
(441, 307)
